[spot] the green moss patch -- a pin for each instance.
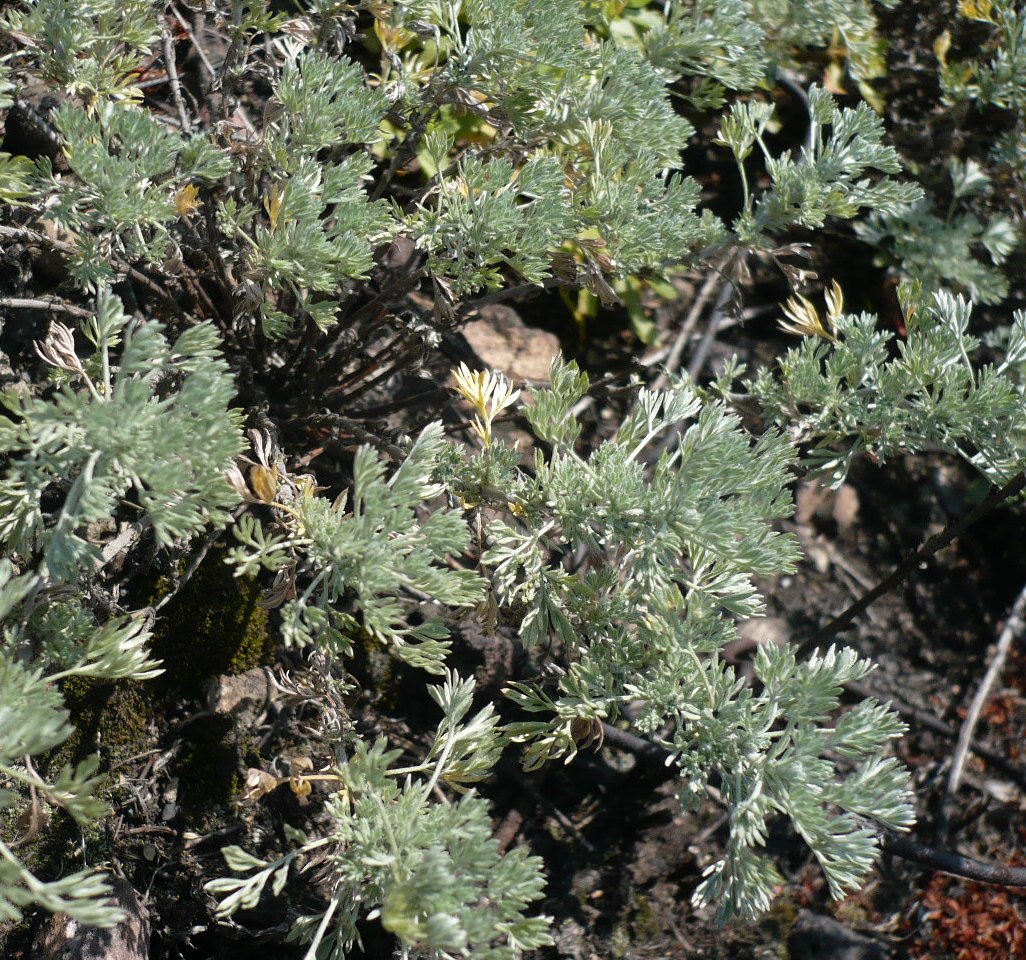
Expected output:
(112, 718)
(215, 625)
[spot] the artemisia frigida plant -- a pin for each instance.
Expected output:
(307, 224)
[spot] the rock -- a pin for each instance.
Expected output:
(503, 341)
(817, 552)
(571, 940)
(229, 694)
(846, 506)
(765, 630)
(816, 937)
(751, 634)
(809, 500)
(63, 938)
(815, 503)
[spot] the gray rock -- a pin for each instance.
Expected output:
(63, 938)
(233, 693)
(819, 937)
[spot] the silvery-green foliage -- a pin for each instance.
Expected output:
(34, 721)
(737, 44)
(70, 644)
(320, 228)
(378, 549)
(668, 550)
(141, 415)
(15, 171)
(603, 111)
(947, 251)
(602, 130)
(320, 233)
(996, 76)
(667, 524)
(777, 752)
(319, 102)
(576, 148)
(126, 172)
(716, 43)
(664, 552)
(999, 75)
(550, 148)
(792, 25)
(855, 395)
(6, 87)
(90, 49)
(482, 214)
(830, 177)
(431, 873)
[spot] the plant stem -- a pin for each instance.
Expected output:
(911, 563)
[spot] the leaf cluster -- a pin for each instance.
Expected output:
(34, 721)
(380, 556)
(664, 548)
(142, 416)
(431, 873)
(947, 251)
(853, 395)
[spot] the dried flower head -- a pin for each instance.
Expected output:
(834, 297)
(58, 349)
(803, 319)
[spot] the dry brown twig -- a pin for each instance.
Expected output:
(44, 303)
(171, 67)
(898, 845)
(705, 295)
(911, 563)
(33, 236)
(1014, 627)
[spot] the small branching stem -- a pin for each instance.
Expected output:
(910, 564)
(44, 303)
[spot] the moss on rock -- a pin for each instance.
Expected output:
(214, 625)
(376, 669)
(111, 717)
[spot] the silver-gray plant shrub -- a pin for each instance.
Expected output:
(141, 415)
(499, 143)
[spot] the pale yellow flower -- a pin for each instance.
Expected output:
(834, 297)
(488, 392)
(187, 200)
(982, 10)
(273, 202)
